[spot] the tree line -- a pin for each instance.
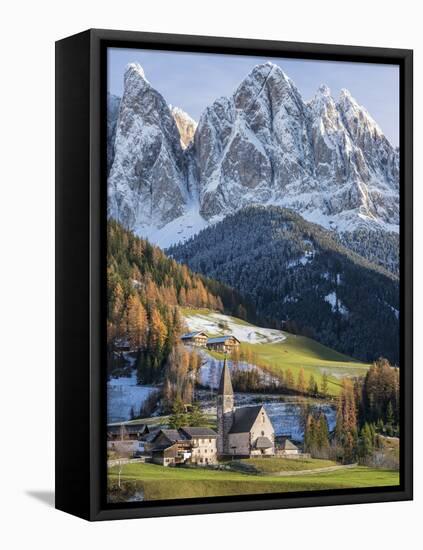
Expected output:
(368, 408)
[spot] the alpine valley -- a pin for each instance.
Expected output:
(253, 293)
(238, 191)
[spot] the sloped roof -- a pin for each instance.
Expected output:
(287, 445)
(193, 432)
(128, 428)
(244, 419)
(263, 443)
(171, 434)
(225, 384)
(148, 437)
(221, 339)
(193, 334)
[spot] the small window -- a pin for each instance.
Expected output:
(262, 432)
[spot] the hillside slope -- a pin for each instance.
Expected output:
(297, 275)
(274, 351)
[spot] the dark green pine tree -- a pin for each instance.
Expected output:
(178, 418)
(196, 416)
(366, 442)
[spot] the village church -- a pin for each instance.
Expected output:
(245, 431)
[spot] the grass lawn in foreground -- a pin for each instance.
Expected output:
(275, 465)
(159, 482)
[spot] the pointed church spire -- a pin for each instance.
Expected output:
(225, 386)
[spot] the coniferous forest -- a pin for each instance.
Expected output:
(300, 278)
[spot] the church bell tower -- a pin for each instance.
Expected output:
(225, 410)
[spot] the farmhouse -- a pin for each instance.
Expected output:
(127, 437)
(246, 431)
(198, 339)
(190, 445)
(224, 344)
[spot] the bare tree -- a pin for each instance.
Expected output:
(122, 448)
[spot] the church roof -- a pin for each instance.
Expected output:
(263, 443)
(225, 386)
(244, 419)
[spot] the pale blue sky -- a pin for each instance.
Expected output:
(193, 81)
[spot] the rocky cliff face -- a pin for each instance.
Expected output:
(327, 160)
(113, 103)
(147, 183)
(186, 126)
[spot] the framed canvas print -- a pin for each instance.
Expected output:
(234, 274)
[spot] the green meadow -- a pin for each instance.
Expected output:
(159, 482)
(294, 352)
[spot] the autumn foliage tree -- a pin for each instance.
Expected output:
(145, 289)
(346, 436)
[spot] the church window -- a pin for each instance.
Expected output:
(262, 432)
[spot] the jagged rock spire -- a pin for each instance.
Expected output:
(225, 386)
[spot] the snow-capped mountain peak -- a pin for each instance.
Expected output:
(323, 91)
(327, 160)
(134, 70)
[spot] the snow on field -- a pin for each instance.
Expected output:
(211, 369)
(123, 394)
(217, 323)
(286, 417)
(285, 412)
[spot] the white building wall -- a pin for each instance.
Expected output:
(204, 451)
(263, 427)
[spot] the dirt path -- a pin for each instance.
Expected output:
(314, 471)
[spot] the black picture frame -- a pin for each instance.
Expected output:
(81, 281)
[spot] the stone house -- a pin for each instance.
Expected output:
(126, 437)
(242, 432)
(188, 445)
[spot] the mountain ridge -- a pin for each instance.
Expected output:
(327, 160)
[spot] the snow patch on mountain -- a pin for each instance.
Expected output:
(336, 304)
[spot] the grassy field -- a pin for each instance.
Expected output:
(275, 465)
(294, 352)
(298, 352)
(158, 482)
